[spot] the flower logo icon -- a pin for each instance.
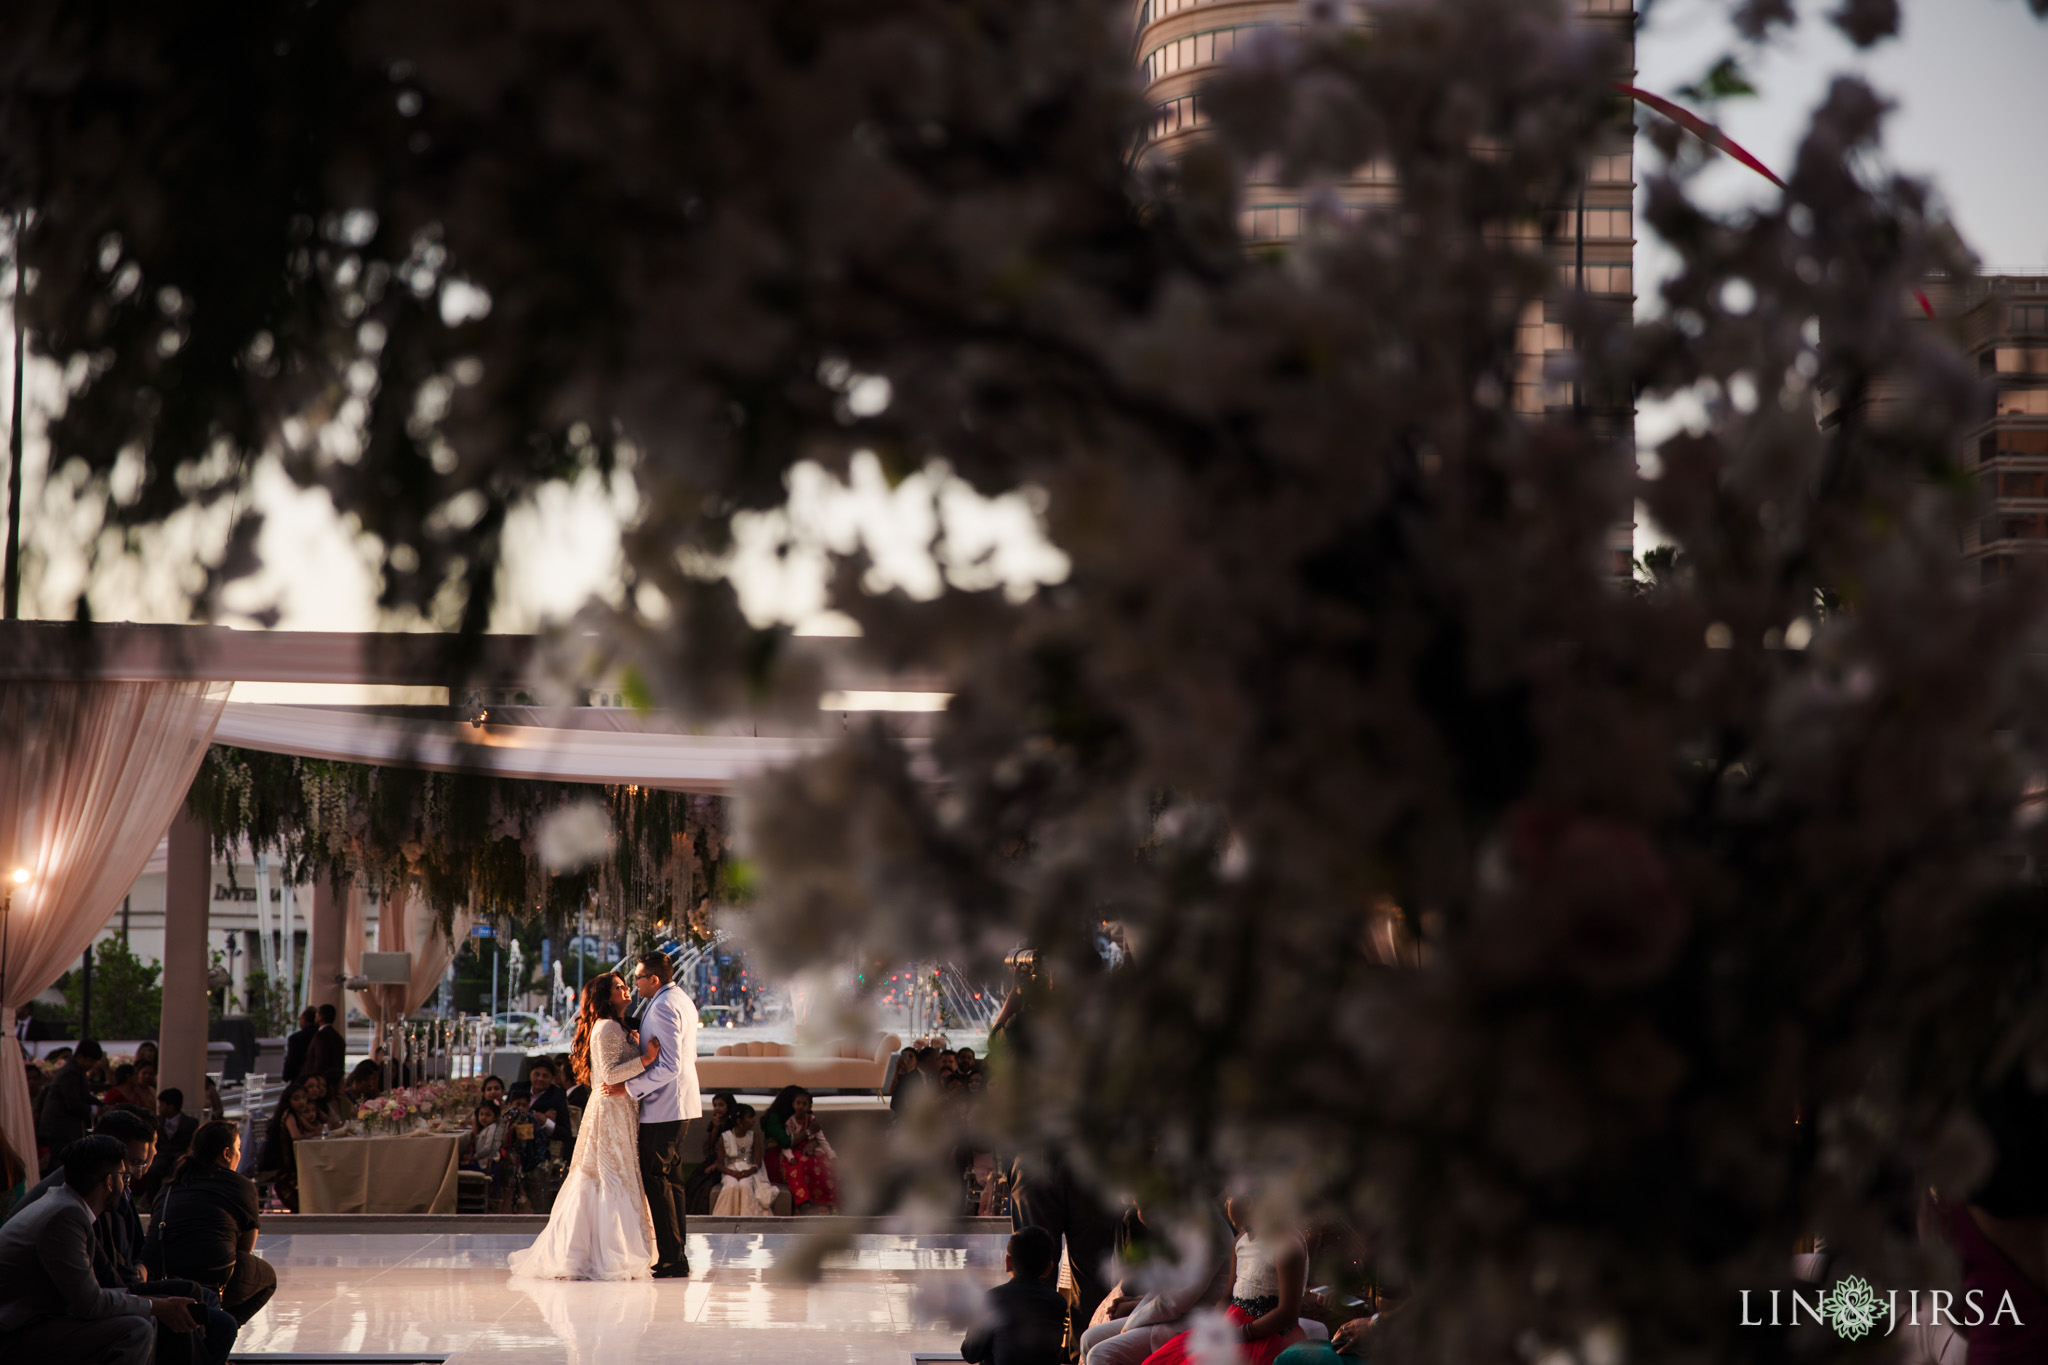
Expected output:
(1853, 1307)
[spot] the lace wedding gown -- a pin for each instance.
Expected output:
(600, 1228)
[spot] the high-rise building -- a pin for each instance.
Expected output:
(2001, 320)
(1590, 241)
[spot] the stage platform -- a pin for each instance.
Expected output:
(429, 1296)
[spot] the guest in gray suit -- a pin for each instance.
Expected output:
(51, 1308)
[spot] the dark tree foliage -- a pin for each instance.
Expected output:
(1587, 948)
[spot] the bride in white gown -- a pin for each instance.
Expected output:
(600, 1228)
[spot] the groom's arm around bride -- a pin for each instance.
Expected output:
(669, 1101)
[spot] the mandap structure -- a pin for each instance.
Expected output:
(116, 737)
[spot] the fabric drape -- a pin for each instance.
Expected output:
(91, 773)
(415, 929)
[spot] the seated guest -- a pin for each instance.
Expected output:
(205, 1224)
(69, 1104)
(118, 1092)
(142, 1088)
(118, 1252)
(1024, 1319)
(519, 1113)
(1201, 1280)
(494, 1090)
(366, 1082)
(51, 1306)
(1353, 1340)
(1999, 1229)
(526, 1147)
(295, 1120)
(1269, 1275)
(744, 1190)
(982, 1194)
(173, 1137)
(550, 1101)
(700, 1191)
(334, 1107)
(146, 1053)
(483, 1140)
(809, 1165)
(118, 1231)
(909, 1081)
(305, 1116)
(963, 1059)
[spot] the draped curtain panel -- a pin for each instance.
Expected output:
(90, 775)
(416, 930)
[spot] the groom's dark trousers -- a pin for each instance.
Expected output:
(661, 1172)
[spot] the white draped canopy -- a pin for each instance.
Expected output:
(694, 763)
(90, 774)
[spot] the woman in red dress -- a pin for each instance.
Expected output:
(1269, 1275)
(807, 1159)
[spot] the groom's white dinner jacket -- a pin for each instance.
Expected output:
(668, 1089)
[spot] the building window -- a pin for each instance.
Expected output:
(1160, 9)
(1615, 169)
(2023, 403)
(2016, 360)
(1270, 222)
(2030, 317)
(1610, 224)
(1600, 279)
(1197, 50)
(2012, 443)
(1175, 116)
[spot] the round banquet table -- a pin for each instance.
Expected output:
(414, 1173)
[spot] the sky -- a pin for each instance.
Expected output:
(1969, 78)
(1969, 82)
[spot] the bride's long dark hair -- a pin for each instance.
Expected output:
(597, 1006)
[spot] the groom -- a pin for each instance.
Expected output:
(669, 1101)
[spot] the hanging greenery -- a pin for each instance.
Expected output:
(472, 840)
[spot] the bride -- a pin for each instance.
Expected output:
(600, 1228)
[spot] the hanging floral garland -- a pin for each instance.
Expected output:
(466, 839)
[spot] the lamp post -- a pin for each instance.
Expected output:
(19, 877)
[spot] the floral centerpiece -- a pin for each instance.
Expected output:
(399, 1109)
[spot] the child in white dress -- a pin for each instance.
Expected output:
(744, 1192)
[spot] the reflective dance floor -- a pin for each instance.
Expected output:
(428, 1296)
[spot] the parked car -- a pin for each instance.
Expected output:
(517, 1028)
